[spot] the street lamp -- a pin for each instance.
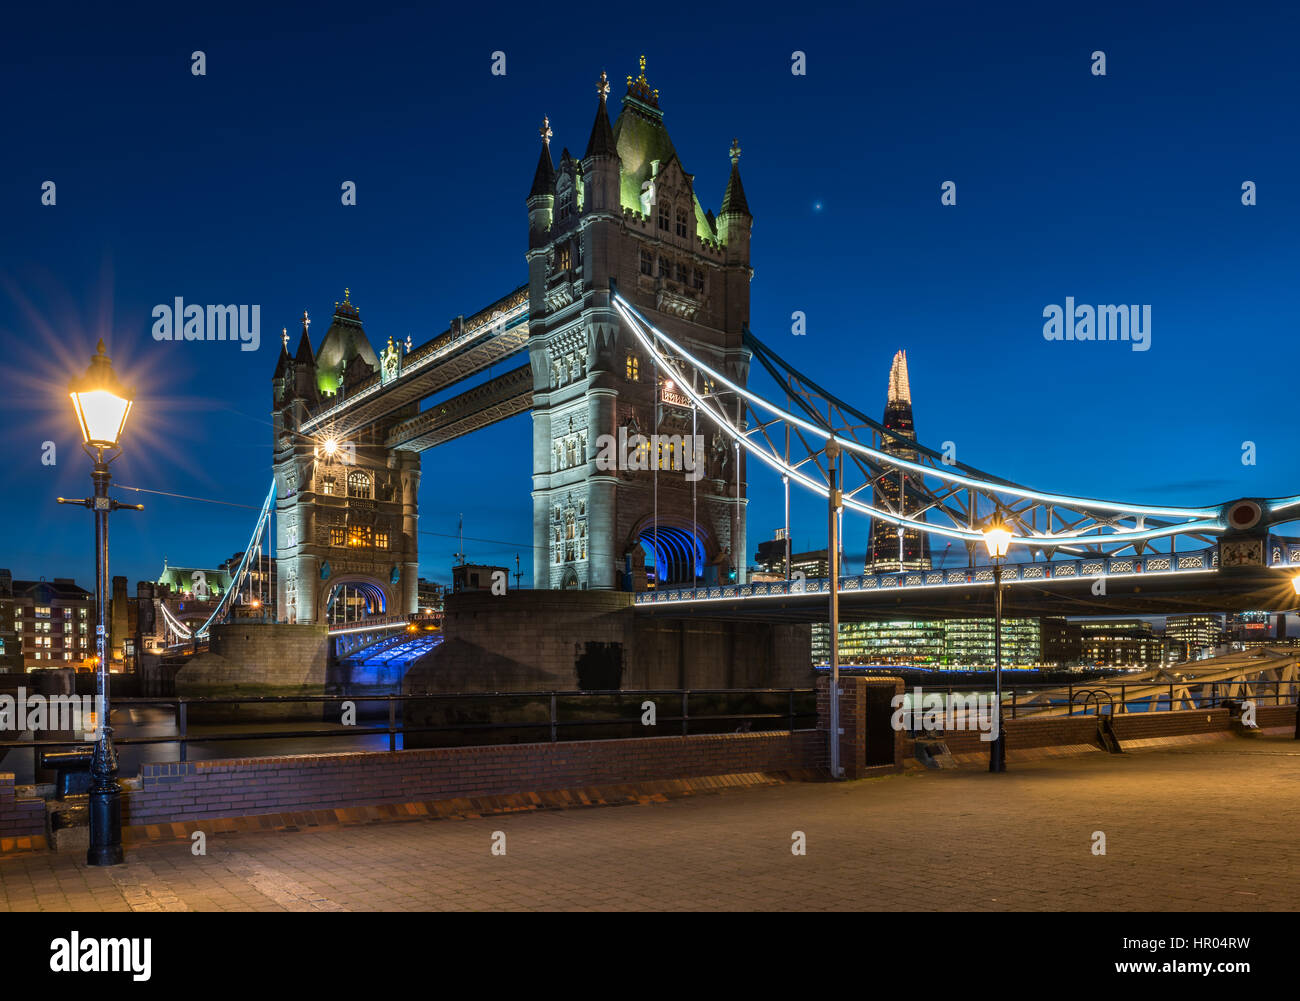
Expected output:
(102, 406)
(997, 537)
(835, 499)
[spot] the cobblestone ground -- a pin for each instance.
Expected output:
(1199, 829)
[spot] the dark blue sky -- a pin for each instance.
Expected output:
(225, 188)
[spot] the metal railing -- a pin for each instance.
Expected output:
(1054, 700)
(799, 705)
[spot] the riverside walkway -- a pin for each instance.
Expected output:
(1204, 827)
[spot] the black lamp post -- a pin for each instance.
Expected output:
(998, 539)
(102, 406)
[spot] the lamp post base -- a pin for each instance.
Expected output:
(998, 753)
(105, 827)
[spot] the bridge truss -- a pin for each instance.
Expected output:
(947, 498)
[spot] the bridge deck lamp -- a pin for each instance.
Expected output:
(997, 537)
(102, 406)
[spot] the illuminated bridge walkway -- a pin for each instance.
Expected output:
(1151, 584)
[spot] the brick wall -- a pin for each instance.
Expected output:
(19, 817)
(250, 786)
(864, 716)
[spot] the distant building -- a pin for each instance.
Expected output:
(429, 597)
(893, 547)
(1199, 632)
(261, 578)
(477, 577)
(195, 584)
(968, 643)
(1121, 643)
(914, 643)
(46, 623)
(1061, 642)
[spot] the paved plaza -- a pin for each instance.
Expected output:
(1205, 828)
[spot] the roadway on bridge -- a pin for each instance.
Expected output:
(1223, 590)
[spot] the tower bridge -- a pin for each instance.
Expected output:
(634, 321)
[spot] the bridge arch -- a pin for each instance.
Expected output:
(676, 553)
(363, 596)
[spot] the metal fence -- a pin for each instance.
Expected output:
(542, 715)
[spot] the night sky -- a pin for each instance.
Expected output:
(225, 188)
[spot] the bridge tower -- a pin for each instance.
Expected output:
(346, 510)
(627, 210)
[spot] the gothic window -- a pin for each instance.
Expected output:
(664, 209)
(681, 222)
(575, 366)
(647, 263)
(665, 268)
(337, 535)
(360, 535)
(699, 279)
(327, 485)
(564, 259)
(558, 458)
(681, 273)
(359, 485)
(570, 453)
(633, 369)
(381, 540)
(559, 547)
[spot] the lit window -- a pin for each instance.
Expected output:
(564, 259)
(381, 540)
(360, 535)
(633, 369)
(337, 535)
(359, 485)
(327, 485)
(42, 611)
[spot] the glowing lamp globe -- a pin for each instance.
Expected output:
(998, 539)
(101, 403)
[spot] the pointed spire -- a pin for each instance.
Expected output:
(544, 178)
(601, 142)
(283, 363)
(899, 390)
(305, 356)
(733, 201)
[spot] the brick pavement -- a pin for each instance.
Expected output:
(1209, 827)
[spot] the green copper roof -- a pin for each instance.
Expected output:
(640, 137)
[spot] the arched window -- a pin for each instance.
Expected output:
(633, 369)
(359, 484)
